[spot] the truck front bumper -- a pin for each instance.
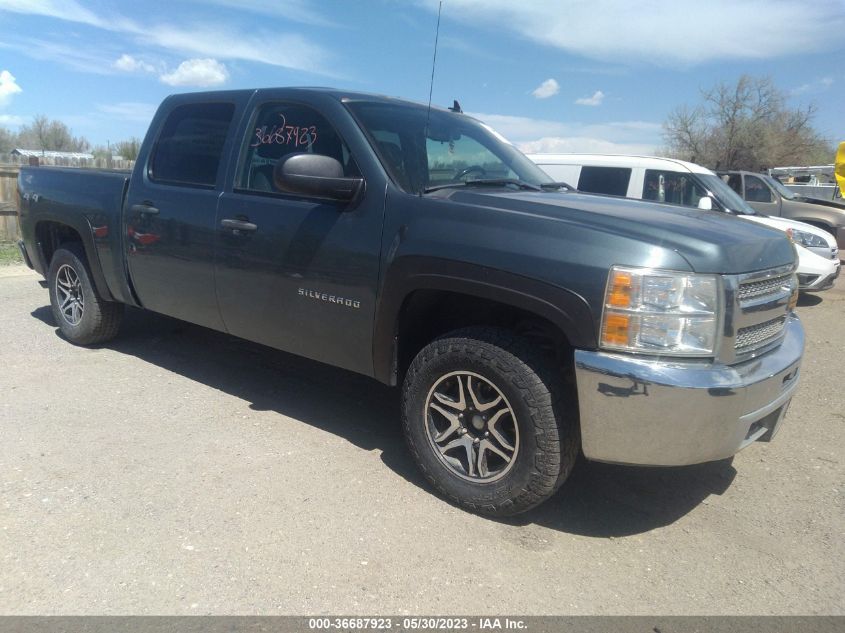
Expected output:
(673, 412)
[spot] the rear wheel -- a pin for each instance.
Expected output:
(486, 420)
(83, 316)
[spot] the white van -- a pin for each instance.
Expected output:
(687, 184)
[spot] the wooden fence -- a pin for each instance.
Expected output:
(9, 229)
(9, 168)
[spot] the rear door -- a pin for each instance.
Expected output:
(170, 212)
(294, 272)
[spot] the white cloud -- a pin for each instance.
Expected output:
(75, 57)
(12, 119)
(818, 85)
(129, 111)
(276, 49)
(197, 72)
(547, 89)
(543, 135)
(130, 64)
(296, 10)
(8, 87)
(68, 10)
(584, 145)
(595, 100)
(663, 32)
(288, 50)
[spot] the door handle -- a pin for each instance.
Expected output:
(144, 207)
(238, 225)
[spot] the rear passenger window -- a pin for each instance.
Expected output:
(281, 129)
(190, 145)
(611, 181)
(672, 187)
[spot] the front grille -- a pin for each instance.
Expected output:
(757, 335)
(758, 289)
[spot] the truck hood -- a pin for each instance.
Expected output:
(819, 202)
(710, 241)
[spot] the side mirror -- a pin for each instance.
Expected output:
(705, 203)
(315, 175)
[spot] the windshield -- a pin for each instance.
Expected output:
(448, 148)
(780, 188)
(726, 196)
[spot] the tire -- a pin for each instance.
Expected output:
(541, 426)
(83, 316)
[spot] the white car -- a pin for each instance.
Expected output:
(687, 184)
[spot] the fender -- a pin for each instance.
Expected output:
(566, 310)
(81, 225)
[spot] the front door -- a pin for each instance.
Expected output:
(297, 273)
(760, 196)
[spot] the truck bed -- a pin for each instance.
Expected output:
(90, 201)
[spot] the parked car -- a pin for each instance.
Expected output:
(525, 322)
(769, 196)
(687, 184)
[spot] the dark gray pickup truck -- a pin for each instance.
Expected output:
(524, 321)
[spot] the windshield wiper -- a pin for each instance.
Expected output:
(489, 182)
(557, 185)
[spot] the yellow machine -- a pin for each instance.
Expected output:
(839, 169)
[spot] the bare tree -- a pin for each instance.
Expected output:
(129, 149)
(52, 135)
(745, 125)
(7, 141)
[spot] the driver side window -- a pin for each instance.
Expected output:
(756, 190)
(672, 187)
(281, 129)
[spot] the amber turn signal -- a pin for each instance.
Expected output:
(616, 329)
(619, 295)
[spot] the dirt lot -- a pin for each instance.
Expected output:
(177, 470)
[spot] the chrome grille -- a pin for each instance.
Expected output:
(757, 335)
(758, 289)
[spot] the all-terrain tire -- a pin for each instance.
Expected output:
(83, 316)
(544, 419)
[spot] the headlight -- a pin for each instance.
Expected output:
(660, 312)
(808, 240)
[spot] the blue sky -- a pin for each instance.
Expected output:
(573, 75)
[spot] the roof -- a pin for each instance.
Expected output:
(618, 160)
(51, 154)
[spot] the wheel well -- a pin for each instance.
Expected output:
(427, 314)
(51, 236)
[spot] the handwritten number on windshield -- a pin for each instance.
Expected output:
(284, 134)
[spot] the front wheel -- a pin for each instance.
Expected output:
(485, 416)
(83, 316)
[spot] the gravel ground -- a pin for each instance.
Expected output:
(181, 471)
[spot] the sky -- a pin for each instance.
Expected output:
(550, 75)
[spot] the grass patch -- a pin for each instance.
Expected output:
(9, 254)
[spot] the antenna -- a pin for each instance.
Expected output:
(433, 63)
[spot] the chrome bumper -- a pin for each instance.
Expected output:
(671, 413)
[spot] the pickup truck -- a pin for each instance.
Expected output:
(769, 196)
(525, 322)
